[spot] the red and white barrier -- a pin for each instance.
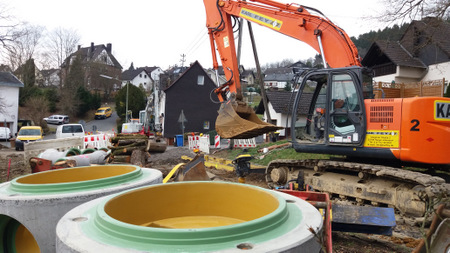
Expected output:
(98, 140)
(245, 143)
(204, 144)
(194, 141)
(217, 141)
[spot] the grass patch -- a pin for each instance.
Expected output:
(281, 153)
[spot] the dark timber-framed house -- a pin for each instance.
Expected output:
(193, 93)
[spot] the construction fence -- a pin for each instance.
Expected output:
(203, 143)
(433, 88)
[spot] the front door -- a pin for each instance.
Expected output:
(345, 119)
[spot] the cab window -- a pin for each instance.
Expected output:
(344, 95)
(344, 100)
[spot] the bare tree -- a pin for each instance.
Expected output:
(61, 42)
(37, 108)
(8, 25)
(24, 45)
(408, 10)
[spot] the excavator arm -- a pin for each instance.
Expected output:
(236, 119)
(290, 19)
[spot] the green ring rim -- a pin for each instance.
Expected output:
(107, 229)
(24, 188)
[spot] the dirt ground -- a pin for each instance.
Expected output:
(404, 239)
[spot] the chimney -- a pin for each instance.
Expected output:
(108, 47)
(91, 51)
(79, 47)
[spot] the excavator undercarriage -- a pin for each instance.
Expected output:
(407, 191)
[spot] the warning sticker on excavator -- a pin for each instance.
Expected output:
(261, 19)
(226, 42)
(382, 139)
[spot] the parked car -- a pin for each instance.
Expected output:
(27, 134)
(69, 130)
(57, 119)
(103, 113)
(5, 133)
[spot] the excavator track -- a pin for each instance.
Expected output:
(407, 191)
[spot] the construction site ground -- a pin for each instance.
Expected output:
(405, 237)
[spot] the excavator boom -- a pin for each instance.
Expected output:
(236, 119)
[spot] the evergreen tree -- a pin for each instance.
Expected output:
(73, 81)
(29, 79)
(364, 41)
(136, 100)
(51, 94)
(84, 98)
(447, 93)
(288, 87)
(75, 77)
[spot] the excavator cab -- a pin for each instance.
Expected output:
(237, 120)
(330, 108)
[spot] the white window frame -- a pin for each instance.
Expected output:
(200, 79)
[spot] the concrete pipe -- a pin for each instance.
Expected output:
(85, 159)
(96, 157)
(31, 205)
(191, 217)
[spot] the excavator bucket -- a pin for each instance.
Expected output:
(193, 171)
(237, 120)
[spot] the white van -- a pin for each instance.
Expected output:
(5, 133)
(69, 130)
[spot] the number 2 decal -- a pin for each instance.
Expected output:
(415, 126)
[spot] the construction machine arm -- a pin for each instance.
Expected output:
(290, 19)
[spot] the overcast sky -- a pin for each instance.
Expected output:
(157, 33)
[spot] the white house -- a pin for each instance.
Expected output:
(50, 77)
(212, 74)
(148, 77)
(278, 78)
(422, 54)
(9, 100)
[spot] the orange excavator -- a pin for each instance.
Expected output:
(373, 138)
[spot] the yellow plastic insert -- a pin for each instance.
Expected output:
(76, 174)
(24, 241)
(191, 205)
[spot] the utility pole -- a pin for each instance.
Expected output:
(259, 74)
(183, 59)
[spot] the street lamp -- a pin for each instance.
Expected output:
(126, 103)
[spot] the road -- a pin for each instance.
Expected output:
(102, 125)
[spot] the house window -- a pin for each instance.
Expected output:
(145, 76)
(205, 124)
(140, 75)
(200, 80)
